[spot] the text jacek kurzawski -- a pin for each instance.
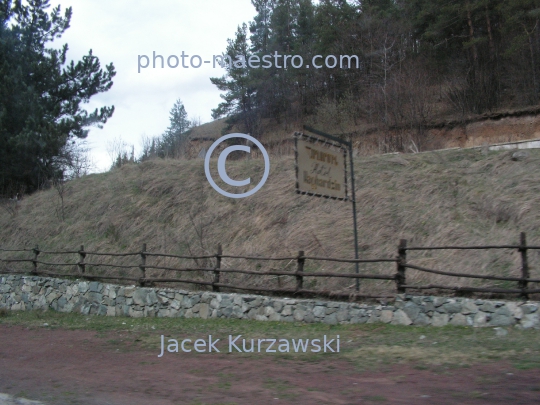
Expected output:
(241, 345)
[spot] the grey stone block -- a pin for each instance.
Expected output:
(501, 320)
(411, 309)
(287, 311)
(62, 302)
(488, 307)
(400, 318)
(452, 307)
(238, 300)
(204, 310)
(468, 307)
(139, 296)
(515, 309)
(355, 311)
(530, 320)
(253, 312)
(309, 318)
(439, 301)
(386, 316)
(95, 297)
(179, 296)
(187, 302)
(331, 310)
(226, 303)
(268, 311)
(422, 320)
(215, 302)
(95, 287)
(504, 311)
(439, 319)
(274, 317)
(359, 319)
(278, 305)
(459, 320)
(480, 319)
(152, 298)
(299, 314)
(135, 314)
(399, 304)
(417, 300)
(102, 310)
(374, 317)
(319, 311)
(128, 291)
(502, 317)
(226, 312)
(331, 319)
(94, 308)
(163, 313)
(50, 297)
(529, 308)
(254, 303)
(206, 297)
(343, 315)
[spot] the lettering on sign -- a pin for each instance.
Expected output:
(320, 168)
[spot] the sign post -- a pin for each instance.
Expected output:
(321, 171)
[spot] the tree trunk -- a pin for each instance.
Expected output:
(490, 35)
(471, 34)
(533, 65)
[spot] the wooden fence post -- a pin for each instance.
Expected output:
(34, 261)
(524, 265)
(402, 261)
(142, 266)
(82, 256)
(300, 269)
(215, 288)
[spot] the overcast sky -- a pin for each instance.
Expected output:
(119, 30)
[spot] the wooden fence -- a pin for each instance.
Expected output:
(400, 279)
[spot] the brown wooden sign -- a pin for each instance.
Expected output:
(321, 168)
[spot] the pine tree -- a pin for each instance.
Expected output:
(237, 84)
(173, 140)
(41, 96)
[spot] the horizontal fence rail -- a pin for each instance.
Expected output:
(522, 281)
(298, 275)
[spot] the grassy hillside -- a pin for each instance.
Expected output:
(436, 198)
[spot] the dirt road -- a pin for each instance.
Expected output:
(60, 367)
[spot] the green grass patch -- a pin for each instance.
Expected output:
(367, 346)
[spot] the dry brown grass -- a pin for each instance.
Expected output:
(462, 197)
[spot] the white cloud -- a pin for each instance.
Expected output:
(120, 30)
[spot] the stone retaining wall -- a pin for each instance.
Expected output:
(28, 293)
